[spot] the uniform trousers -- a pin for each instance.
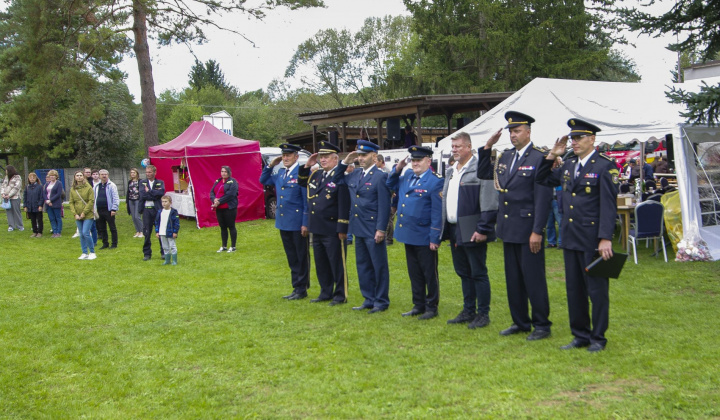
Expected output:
(298, 257)
(579, 287)
(525, 280)
(148, 217)
(422, 264)
(36, 220)
(469, 262)
(104, 221)
(329, 253)
(373, 272)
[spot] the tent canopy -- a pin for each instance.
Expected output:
(204, 149)
(624, 111)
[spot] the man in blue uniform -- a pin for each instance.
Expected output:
(419, 222)
(291, 217)
(469, 211)
(151, 192)
(369, 214)
(522, 216)
(590, 186)
(328, 208)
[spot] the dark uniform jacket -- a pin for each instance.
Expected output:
(477, 201)
(589, 201)
(154, 194)
(369, 200)
(230, 192)
(523, 204)
(328, 202)
(419, 211)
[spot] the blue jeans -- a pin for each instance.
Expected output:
(93, 232)
(554, 216)
(86, 243)
(55, 216)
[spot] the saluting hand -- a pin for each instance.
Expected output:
(493, 139)
(275, 161)
(559, 148)
(400, 165)
(312, 160)
(350, 158)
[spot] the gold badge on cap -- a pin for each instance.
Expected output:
(572, 122)
(510, 120)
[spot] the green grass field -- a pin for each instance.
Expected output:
(212, 338)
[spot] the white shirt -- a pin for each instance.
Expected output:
(453, 192)
(518, 154)
(290, 169)
(584, 161)
(164, 217)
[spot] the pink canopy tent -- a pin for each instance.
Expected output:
(204, 149)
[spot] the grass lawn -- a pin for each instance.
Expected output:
(211, 338)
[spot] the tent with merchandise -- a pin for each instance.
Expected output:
(204, 149)
(626, 112)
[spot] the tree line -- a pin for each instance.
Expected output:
(64, 100)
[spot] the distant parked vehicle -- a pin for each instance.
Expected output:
(268, 154)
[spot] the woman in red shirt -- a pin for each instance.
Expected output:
(224, 197)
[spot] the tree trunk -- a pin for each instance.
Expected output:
(147, 84)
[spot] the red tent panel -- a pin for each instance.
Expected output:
(206, 149)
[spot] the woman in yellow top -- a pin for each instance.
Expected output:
(82, 200)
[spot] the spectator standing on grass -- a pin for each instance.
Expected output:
(132, 200)
(107, 203)
(151, 192)
(87, 172)
(167, 226)
(470, 205)
(590, 186)
(522, 217)
(369, 215)
(291, 217)
(328, 207)
(554, 234)
(82, 201)
(419, 223)
(33, 204)
(53, 193)
(224, 197)
(11, 188)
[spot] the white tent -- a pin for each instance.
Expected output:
(625, 112)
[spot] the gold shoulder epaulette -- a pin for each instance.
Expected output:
(437, 175)
(607, 157)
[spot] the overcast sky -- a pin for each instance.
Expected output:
(249, 67)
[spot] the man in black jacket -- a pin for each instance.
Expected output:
(328, 208)
(151, 192)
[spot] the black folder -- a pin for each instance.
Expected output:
(610, 268)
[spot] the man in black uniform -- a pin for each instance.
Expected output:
(590, 186)
(328, 207)
(522, 216)
(151, 192)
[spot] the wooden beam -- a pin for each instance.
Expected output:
(344, 137)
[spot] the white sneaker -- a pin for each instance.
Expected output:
(141, 235)
(10, 229)
(222, 249)
(76, 235)
(231, 249)
(83, 257)
(91, 256)
(21, 229)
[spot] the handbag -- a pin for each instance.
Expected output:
(6, 204)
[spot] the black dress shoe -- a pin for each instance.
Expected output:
(113, 246)
(596, 347)
(428, 315)
(361, 308)
(289, 296)
(147, 257)
(298, 296)
(376, 310)
(413, 312)
(538, 335)
(480, 321)
(575, 344)
(337, 302)
(513, 329)
(105, 247)
(462, 318)
(316, 300)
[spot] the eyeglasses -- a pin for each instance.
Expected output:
(576, 139)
